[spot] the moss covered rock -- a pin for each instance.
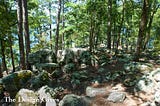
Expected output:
(42, 56)
(15, 81)
(44, 59)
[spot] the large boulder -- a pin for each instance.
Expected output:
(15, 81)
(73, 54)
(149, 82)
(26, 97)
(157, 97)
(156, 74)
(71, 100)
(43, 59)
(42, 56)
(68, 56)
(46, 94)
(145, 84)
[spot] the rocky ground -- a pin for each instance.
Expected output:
(108, 81)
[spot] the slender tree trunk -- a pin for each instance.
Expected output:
(20, 35)
(11, 52)
(57, 29)
(120, 27)
(142, 29)
(4, 66)
(50, 25)
(109, 24)
(91, 34)
(1, 74)
(63, 20)
(26, 31)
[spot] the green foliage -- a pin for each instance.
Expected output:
(40, 80)
(103, 60)
(78, 76)
(69, 68)
(85, 58)
(53, 91)
(56, 73)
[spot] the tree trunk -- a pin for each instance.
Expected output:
(63, 22)
(26, 31)
(20, 35)
(142, 29)
(91, 34)
(50, 25)
(4, 66)
(57, 29)
(149, 28)
(120, 27)
(1, 74)
(11, 52)
(109, 24)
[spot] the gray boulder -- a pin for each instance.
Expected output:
(145, 84)
(156, 74)
(46, 93)
(92, 92)
(43, 59)
(71, 100)
(68, 56)
(26, 97)
(157, 97)
(116, 97)
(42, 56)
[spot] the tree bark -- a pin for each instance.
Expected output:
(63, 25)
(149, 28)
(4, 66)
(91, 34)
(11, 52)
(57, 29)
(1, 74)
(120, 27)
(109, 24)
(20, 35)
(142, 29)
(26, 31)
(50, 25)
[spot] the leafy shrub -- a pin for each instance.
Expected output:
(103, 59)
(70, 67)
(85, 58)
(102, 70)
(40, 80)
(56, 73)
(77, 77)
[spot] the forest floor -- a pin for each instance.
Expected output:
(133, 98)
